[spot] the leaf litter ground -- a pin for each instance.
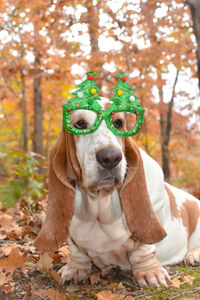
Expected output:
(24, 274)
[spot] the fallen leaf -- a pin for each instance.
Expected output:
(6, 248)
(54, 275)
(176, 282)
(29, 295)
(9, 227)
(61, 255)
(188, 279)
(64, 251)
(120, 287)
(46, 261)
(108, 295)
(8, 287)
(5, 278)
(51, 293)
(73, 288)
(15, 260)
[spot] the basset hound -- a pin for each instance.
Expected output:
(110, 199)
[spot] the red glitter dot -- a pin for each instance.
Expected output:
(90, 77)
(112, 113)
(137, 113)
(91, 129)
(123, 78)
(68, 109)
(99, 112)
(70, 127)
(139, 127)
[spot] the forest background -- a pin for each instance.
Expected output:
(47, 46)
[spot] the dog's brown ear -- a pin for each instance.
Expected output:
(63, 170)
(141, 219)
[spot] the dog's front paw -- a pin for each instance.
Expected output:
(152, 278)
(193, 257)
(69, 273)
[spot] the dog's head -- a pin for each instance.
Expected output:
(101, 155)
(99, 162)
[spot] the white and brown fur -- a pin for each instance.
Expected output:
(123, 215)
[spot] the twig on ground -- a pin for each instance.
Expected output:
(185, 293)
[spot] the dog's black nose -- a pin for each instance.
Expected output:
(109, 158)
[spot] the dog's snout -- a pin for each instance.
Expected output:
(109, 158)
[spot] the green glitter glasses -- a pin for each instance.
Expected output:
(86, 98)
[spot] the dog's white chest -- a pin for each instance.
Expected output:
(100, 228)
(97, 236)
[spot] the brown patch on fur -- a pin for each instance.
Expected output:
(173, 206)
(190, 213)
(141, 219)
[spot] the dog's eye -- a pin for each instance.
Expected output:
(80, 124)
(118, 123)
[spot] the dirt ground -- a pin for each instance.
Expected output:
(24, 274)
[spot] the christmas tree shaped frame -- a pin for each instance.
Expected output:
(124, 100)
(84, 98)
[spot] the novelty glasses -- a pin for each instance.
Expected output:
(86, 98)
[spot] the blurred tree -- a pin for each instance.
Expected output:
(195, 11)
(165, 129)
(37, 80)
(24, 130)
(35, 52)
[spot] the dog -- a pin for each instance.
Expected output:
(110, 199)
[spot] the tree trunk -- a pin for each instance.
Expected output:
(195, 11)
(93, 25)
(37, 87)
(93, 29)
(38, 128)
(24, 132)
(165, 130)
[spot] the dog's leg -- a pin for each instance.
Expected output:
(78, 266)
(193, 257)
(147, 270)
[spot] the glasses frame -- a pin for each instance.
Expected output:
(106, 115)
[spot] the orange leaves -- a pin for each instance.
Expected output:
(8, 228)
(187, 279)
(8, 266)
(108, 295)
(15, 260)
(51, 293)
(46, 263)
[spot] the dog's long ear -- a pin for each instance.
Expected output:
(135, 200)
(63, 170)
